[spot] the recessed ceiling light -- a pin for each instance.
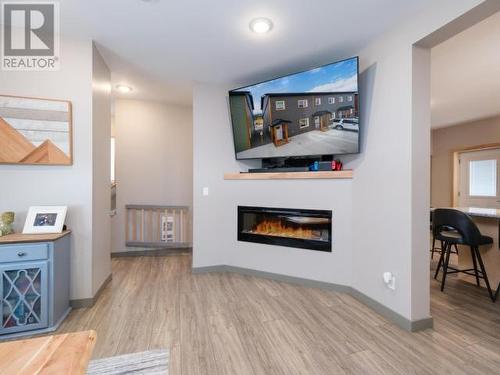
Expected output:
(124, 89)
(261, 25)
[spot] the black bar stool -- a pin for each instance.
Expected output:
(465, 232)
(439, 250)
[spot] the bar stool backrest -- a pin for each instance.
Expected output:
(446, 218)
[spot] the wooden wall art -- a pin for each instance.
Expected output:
(35, 131)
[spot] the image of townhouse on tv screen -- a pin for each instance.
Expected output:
(309, 113)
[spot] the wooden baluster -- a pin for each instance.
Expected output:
(127, 225)
(182, 226)
(142, 226)
(166, 226)
(146, 221)
(134, 225)
(174, 227)
(150, 212)
(158, 223)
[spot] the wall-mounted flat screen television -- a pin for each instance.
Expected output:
(311, 113)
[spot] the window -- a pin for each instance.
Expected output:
(303, 123)
(341, 99)
(302, 103)
(483, 178)
(280, 105)
(317, 101)
(349, 98)
(331, 100)
(332, 116)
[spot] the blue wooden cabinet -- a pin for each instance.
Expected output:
(34, 283)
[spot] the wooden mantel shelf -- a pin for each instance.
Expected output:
(289, 175)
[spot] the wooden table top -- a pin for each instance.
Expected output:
(43, 237)
(66, 354)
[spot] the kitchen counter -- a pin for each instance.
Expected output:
(480, 212)
(477, 211)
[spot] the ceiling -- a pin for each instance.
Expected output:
(465, 75)
(161, 47)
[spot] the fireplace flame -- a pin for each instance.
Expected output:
(275, 227)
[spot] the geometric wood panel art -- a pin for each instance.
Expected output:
(35, 131)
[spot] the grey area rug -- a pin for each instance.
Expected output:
(152, 362)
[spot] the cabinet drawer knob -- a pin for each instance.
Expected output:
(21, 253)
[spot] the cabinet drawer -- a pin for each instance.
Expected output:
(21, 253)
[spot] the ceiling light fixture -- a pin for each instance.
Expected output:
(261, 25)
(124, 89)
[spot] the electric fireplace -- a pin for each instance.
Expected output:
(305, 229)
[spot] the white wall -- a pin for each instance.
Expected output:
(22, 186)
(391, 183)
(154, 158)
(379, 217)
(447, 140)
(101, 183)
(84, 186)
(390, 196)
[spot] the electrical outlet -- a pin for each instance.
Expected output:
(205, 191)
(389, 280)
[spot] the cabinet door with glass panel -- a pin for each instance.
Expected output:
(24, 296)
(479, 178)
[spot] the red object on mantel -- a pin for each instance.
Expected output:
(336, 165)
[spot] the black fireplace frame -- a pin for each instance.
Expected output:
(300, 243)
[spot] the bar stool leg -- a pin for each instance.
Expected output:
(433, 247)
(483, 271)
(445, 264)
(440, 260)
(474, 262)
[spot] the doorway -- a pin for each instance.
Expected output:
(438, 108)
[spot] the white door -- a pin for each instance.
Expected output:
(316, 122)
(279, 133)
(479, 179)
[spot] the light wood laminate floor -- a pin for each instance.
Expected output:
(224, 323)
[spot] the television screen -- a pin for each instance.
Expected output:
(304, 114)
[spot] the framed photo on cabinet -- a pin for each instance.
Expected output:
(45, 219)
